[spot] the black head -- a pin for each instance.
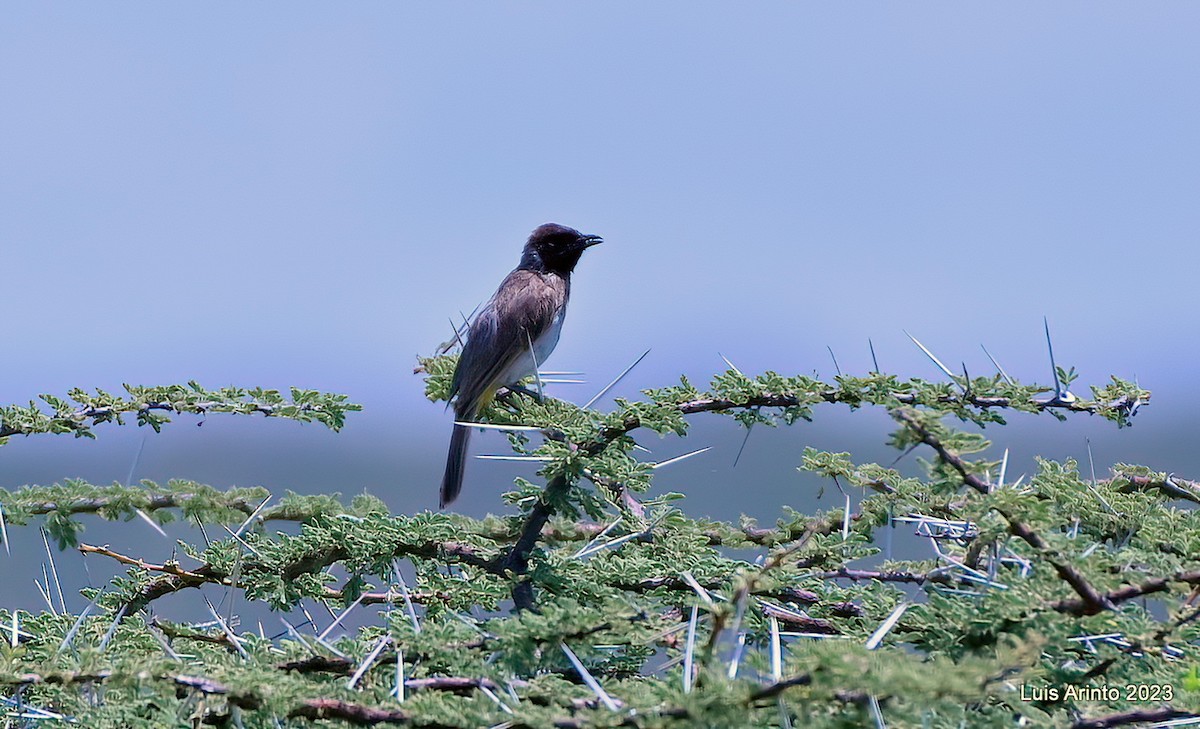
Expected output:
(556, 248)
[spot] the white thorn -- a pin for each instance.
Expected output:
(676, 459)
(618, 378)
(877, 637)
(931, 356)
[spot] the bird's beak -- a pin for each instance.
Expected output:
(587, 241)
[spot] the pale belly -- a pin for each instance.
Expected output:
(528, 362)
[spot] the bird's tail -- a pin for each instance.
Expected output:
(455, 464)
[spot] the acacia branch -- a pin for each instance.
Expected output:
(152, 502)
(516, 560)
(1136, 716)
(730, 536)
(357, 714)
(1178, 488)
(1130, 592)
(902, 576)
(243, 699)
(176, 578)
(677, 584)
(773, 690)
(305, 405)
(309, 708)
(833, 396)
(1092, 600)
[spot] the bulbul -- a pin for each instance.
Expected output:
(513, 334)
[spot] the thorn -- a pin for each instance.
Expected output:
(885, 627)
(900, 457)
(249, 519)
(458, 330)
(53, 570)
(730, 364)
(736, 662)
(468, 317)
(589, 679)
(231, 589)
(325, 633)
(834, 358)
(153, 524)
(1003, 469)
(1059, 393)
(677, 459)
(873, 360)
(876, 712)
(743, 596)
(46, 592)
(398, 692)
(408, 604)
(603, 533)
(514, 458)
(233, 639)
(1053, 366)
(931, 356)
(4, 532)
(610, 544)
(537, 377)
(295, 633)
(136, 459)
(496, 700)
(203, 533)
(70, 636)
(999, 369)
(745, 440)
(362, 668)
(697, 587)
(241, 541)
(618, 378)
(785, 715)
(112, 629)
(1094, 486)
(454, 327)
(776, 650)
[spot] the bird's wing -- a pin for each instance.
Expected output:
(521, 310)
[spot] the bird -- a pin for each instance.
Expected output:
(514, 333)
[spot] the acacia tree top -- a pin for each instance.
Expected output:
(591, 604)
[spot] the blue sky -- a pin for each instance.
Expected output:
(303, 194)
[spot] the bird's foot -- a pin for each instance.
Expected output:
(537, 396)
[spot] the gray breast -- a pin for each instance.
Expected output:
(525, 365)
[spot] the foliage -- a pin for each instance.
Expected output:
(589, 605)
(80, 411)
